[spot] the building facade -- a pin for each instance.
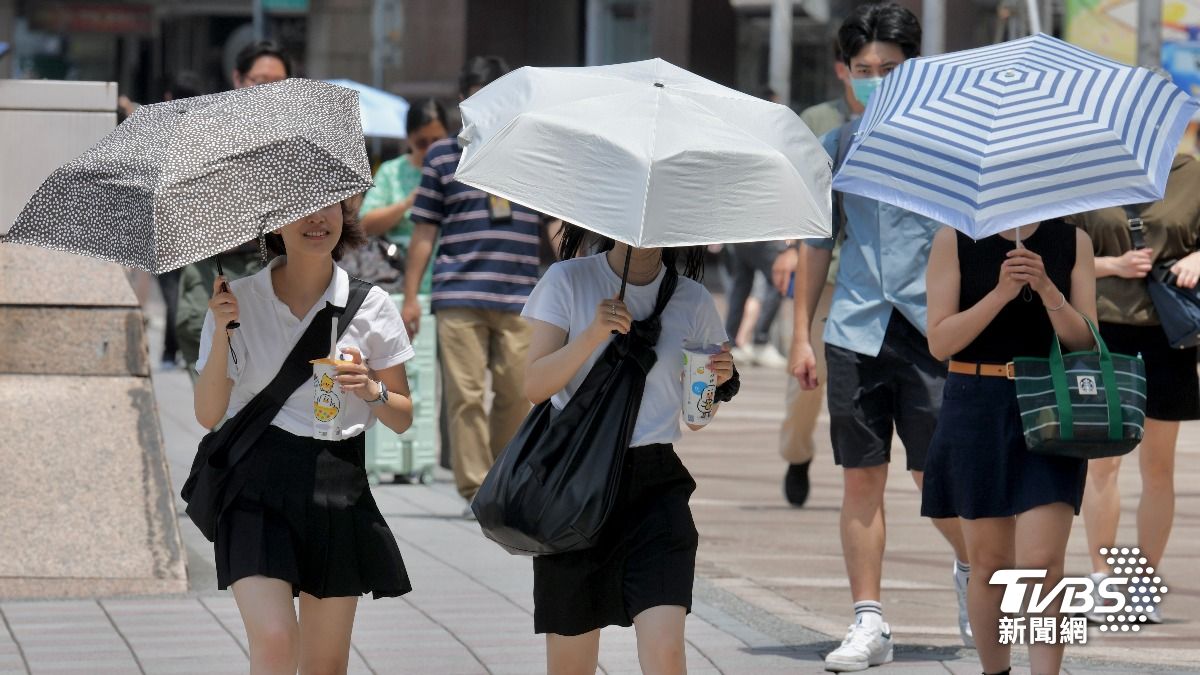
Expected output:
(416, 47)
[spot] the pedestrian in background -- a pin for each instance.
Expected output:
(1015, 507)
(258, 63)
(882, 378)
(385, 211)
(642, 568)
(1130, 325)
(302, 521)
(184, 84)
(748, 262)
(802, 408)
(487, 263)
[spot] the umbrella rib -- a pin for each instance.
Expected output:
(650, 165)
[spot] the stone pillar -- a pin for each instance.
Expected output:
(86, 504)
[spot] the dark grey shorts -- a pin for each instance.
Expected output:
(870, 396)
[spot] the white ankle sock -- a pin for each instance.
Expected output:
(869, 613)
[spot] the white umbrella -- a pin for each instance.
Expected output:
(647, 154)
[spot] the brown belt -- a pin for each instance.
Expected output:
(984, 369)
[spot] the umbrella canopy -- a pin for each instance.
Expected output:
(648, 154)
(986, 140)
(184, 180)
(382, 113)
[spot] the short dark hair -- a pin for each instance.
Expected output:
(185, 84)
(480, 71)
(423, 112)
(884, 22)
(353, 235)
(256, 50)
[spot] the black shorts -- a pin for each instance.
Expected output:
(1172, 385)
(869, 396)
(646, 556)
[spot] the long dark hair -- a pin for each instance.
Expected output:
(574, 240)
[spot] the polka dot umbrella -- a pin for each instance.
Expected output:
(184, 180)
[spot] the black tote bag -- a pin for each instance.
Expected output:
(553, 486)
(209, 486)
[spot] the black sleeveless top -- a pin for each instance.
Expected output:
(1023, 327)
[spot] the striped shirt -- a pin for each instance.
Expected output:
(480, 263)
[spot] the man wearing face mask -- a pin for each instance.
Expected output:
(880, 372)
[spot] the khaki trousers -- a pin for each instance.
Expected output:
(802, 408)
(470, 342)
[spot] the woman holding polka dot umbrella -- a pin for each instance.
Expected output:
(284, 499)
(183, 180)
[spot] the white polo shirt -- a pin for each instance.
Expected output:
(269, 330)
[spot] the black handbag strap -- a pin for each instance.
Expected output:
(1133, 217)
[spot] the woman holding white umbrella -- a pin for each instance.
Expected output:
(639, 154)
(642, 571)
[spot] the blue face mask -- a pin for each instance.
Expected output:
(865, 87)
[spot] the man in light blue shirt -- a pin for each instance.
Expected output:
(880, 372)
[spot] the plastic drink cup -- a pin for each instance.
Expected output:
(699, 383)
(328, 399)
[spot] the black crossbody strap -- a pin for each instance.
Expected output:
(296, 368)
(1137, 233)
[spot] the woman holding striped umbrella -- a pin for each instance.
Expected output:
(991, 301)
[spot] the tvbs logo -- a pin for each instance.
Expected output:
(1123, 598)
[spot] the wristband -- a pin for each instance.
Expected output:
(727, 391)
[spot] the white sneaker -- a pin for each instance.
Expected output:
(863, 647)
(1098, 601)
(964, 620)
(768, 356)
(1153, 616)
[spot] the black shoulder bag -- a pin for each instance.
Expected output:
(1178, 308)
(554, 485)
(209, 489)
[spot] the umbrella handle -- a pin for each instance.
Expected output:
(625, 275)
(232, 325)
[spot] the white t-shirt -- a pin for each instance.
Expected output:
(269, 330)
(567, 297)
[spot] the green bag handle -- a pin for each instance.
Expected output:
(1062, 391)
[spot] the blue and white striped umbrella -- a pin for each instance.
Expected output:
(986, 140)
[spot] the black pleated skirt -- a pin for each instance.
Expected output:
(645, 557)
(302, 512)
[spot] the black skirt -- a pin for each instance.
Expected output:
(646, 556)
(978, 464)
(303, 513)
(1172, 384)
